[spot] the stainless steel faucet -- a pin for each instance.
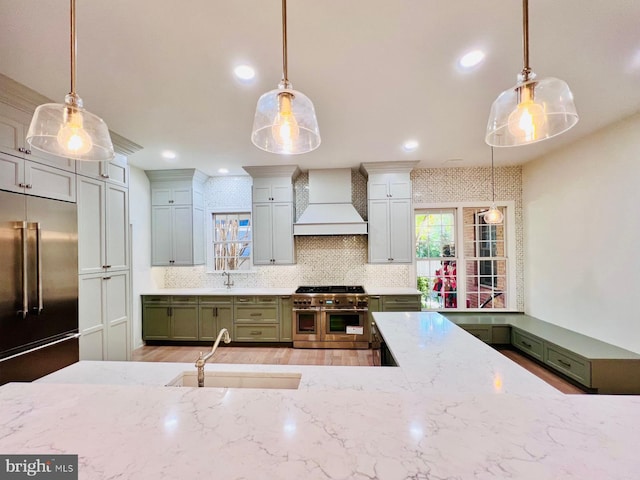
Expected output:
(228, 283)
(223, 334)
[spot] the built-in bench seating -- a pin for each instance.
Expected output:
(597, 365)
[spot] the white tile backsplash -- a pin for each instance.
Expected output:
(342, 259)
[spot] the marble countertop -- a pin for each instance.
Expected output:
(267, 291)
(454, 408)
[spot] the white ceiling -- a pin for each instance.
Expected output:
(159, 72)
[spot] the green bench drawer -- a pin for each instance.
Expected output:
(256, 333)
(527, 343)
(156, 299)
(568, 363)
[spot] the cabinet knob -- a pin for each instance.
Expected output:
(22, 150)
(28, 185)
(27, 151)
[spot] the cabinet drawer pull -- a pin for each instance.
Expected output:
(106, 278)
(256, 332)
(243, 299)
(563, 363)
(528, 345)
(256, 314)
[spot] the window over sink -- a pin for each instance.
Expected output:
(232, 241)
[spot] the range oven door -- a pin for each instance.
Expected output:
(306, 326)
(349, 325)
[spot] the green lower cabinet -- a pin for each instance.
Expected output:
(481, 332)
(213, 318)
(184, 322)
(156, 322)
(286, 319)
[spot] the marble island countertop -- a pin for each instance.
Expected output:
(454, 409)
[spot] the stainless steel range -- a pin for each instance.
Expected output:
(330, 317)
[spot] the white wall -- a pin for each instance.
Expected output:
(582, 235)
(143, 276)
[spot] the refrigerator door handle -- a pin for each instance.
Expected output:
(25, 267)
(66, 338)
(40, 306)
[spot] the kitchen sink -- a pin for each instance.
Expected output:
(239, 380)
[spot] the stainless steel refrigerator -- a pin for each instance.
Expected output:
(38, 286)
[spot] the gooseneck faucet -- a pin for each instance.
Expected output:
(223, 334)
(228, 283)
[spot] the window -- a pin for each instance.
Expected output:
(232, 241)
(474, 276)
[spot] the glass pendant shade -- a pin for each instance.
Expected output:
(67, 130)
(493, 216)
(285, 122)
(531, 111)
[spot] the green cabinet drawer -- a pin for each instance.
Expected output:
(217, 299)
(256, 314)
(568, 363)
(183, 299)
(481, 332)
(256, 333)
(156, 299)
(527, 343)
(401, 303)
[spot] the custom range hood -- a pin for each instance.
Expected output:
(330, 211)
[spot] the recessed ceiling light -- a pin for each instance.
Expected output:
(244, 72)
(471, 59)
(169, 155)
(410, 145)
(223, 170)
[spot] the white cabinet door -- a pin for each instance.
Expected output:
(103, 316)
(282, 233)
(117, 227)
(91, 317)
(262, 234)
(116, 299)
(400, 231)
(12, 131)
(11, 173)
(91, 225)
(379, 249)
(182, 235)
(389, 185)
(161, 236)
(44, 181)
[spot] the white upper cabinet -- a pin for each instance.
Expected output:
(390, 211)
(273, 214)
(177, 217)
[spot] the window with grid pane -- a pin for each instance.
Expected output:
(232, 241)
(476, 276)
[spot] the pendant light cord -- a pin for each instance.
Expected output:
(73, 47)
(285, 73)
(526, 69)
(493, 180)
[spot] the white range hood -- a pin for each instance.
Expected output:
(330, 211)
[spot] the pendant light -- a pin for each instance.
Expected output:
(533, 110)
(68, 130)
(493, 216)
(285, 120)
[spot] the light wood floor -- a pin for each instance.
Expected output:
(297, 356)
